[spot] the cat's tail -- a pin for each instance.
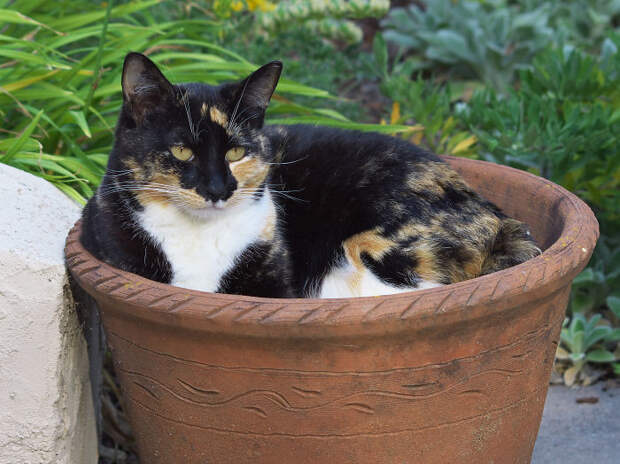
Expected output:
(513, 245)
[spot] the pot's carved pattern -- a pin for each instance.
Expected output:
(311, 400)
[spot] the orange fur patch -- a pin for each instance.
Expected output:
(218, 117)
(155, 188)
(250, 173)
(370, 242)
(426, 264)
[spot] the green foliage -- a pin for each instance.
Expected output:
(474, 39)
(332, 69)
(424, 103)
(562, 124)
(614, 301)
(579, 22)
(596, 285)
(329, 18)
(60, 91)
(585, 340)
(492, 40)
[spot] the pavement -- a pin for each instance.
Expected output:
(580, 426)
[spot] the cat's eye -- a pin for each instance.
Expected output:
(182, 153)
(235, 154)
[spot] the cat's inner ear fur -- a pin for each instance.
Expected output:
(251, 96)
(144, 86)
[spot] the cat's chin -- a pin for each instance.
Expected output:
(210, 211)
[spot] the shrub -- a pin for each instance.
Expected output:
(491, 40)
(586, 340)
(473, 39)
(422, 102)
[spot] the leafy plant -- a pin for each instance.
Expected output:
(424, 103)
(562, 132)
(474, 39)
(599, 283)
(613, 301)
(338, 70)
(329, 18)
(492, 40)
(585, 341)
(579, 22)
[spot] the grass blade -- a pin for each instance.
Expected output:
(22, 139)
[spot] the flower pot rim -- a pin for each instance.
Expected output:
(154, 302)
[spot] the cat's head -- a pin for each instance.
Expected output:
(195, 146)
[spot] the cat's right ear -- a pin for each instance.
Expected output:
(144, 86)
(251, 96)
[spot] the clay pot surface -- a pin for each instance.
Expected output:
(451, 374)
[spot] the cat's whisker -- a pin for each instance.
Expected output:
(234, 125)
(231, 121)
(272, 188)
(287, 194)
(123, 185)
(190, 122)
(119, 172)
(284, 191)
(281, 163)
(135, 188)
(144, 184)
(252, 114)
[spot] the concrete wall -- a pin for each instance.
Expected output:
(46, 411)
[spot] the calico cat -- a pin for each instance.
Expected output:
(200, 195)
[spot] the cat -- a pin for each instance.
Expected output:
(199, 193)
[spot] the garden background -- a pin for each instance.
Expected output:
(531, 84)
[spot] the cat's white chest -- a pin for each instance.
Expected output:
(201, 251)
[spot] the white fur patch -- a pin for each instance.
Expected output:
(339, 284)
(202, 249)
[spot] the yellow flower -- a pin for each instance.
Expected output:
(236, 6)
(263, 5)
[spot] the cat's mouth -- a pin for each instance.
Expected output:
(207, 210)
(219, 204)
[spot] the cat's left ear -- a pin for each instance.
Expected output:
(145, 89)
(252, 95)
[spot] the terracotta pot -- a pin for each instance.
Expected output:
(451, 374)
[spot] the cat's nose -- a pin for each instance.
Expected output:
(217, 189)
